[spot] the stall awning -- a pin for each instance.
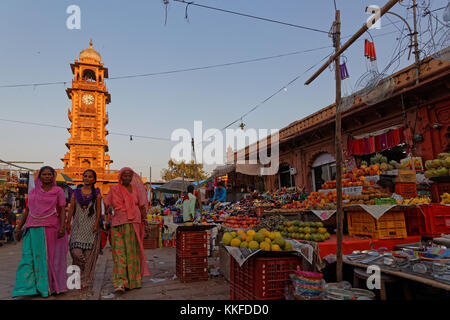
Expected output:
(223, 170)
(249, 169)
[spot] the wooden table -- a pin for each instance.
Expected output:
(405, 275)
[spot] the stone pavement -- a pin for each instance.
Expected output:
(161, 285)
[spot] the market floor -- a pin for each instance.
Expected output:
(161, 285)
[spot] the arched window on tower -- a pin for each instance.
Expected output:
(89, 75)
(86, 163)
(100, 79)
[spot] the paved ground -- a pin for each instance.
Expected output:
(161, 285)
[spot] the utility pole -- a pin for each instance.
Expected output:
(338, 149)
(197, 174)
(416, 46)
(338, 139)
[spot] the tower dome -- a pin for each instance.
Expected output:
(90, 54)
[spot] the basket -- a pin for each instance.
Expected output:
(429, 220)
(307, 285)
(390, 225)
(406, 190)
(262, 278)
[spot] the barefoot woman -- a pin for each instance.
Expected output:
(83, 225)
(43, 267)
(129, 202)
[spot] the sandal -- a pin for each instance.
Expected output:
(119, 290)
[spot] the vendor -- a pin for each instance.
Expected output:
(387, 186)
(220, 194)
(189, 202)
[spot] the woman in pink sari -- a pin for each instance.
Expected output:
(43, 268)
(129, 202)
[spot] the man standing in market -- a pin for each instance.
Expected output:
(189, 201)
(220, 194)
(10, 221)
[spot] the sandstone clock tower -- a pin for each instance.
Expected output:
(87, 144)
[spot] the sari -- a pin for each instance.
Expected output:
(43, 267)
(127, 232)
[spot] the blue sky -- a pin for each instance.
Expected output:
(132, 39)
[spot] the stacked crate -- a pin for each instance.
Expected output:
(262, 278)
(151, 241)
(390, 225)
(192, 256)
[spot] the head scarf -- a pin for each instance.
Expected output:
(37, 197)
(123, 200)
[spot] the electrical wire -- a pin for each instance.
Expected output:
(179, 70)
(250, 16)
(62, 127)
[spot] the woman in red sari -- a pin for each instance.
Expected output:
(129, 203)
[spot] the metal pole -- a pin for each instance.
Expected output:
(198, 183)
(338, 148)
(416, 47)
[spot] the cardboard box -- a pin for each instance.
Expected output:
(406, 176)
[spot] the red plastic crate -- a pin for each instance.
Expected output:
(192, 243)
(192, 269)
(150, 243)
(415, 223)
(262, 278)
(406, 190)
(439, 188)
(436, 219)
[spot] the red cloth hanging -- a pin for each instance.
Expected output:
(383, 138)
(378, 143)
(349, 146)
(372, 144)
(390, 136)
(396, 134)
(366, 146)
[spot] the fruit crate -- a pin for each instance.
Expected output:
(439, 188)
(150, 243)
(406, 190)
(262, 278)
(429, 220)
(189, 269)
(192, 243)
(390, 225)
(178, 219)
(152, 231)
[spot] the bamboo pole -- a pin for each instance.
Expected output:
(197, 174)
(355, 37)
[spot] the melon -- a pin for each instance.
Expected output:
(253, 245)
(437, 163)
(429, 164)
(442, 171)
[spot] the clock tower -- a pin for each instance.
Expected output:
(87, 144)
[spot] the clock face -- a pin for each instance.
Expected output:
(88, 99)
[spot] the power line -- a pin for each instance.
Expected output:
(61, 127)
(220, 65)
(178, 70)
(249, 16)
(191, 69)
